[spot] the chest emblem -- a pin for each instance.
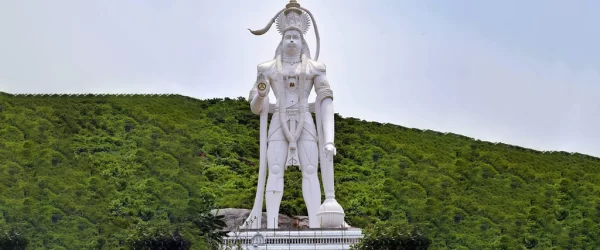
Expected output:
(292, 83)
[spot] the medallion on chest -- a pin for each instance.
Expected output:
(291, 83)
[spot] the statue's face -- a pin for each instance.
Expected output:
(292, 42)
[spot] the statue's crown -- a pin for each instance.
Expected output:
(293, 18)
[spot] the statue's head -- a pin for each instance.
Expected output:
(292, 22)
(292, 25)
(293, 43)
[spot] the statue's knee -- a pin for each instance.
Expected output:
(309, 170)
(275, 180)
(275, 170)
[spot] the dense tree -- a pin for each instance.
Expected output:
(87, 171)
(11, 238)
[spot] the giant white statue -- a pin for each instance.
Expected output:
(292, 139)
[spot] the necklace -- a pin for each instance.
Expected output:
(291, 62)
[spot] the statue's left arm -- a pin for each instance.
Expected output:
(325, 98)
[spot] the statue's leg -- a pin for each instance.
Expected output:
(311, 190)
(276, 155)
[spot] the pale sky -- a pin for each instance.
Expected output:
(525, 73)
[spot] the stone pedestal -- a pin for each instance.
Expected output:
(322, 239)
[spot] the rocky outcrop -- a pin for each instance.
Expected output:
(235, 217)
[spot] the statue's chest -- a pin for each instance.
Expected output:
(291, 89)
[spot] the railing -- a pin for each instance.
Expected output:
(294, 239)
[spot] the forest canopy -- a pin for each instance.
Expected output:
(87, 171)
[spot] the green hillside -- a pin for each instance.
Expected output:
(86, 172)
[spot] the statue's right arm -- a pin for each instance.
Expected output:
(255, 101)
(257, 96)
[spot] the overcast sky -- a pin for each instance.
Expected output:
(520, 72)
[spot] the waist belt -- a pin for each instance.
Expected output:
(292, 111)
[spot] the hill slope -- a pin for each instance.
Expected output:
(79, 171)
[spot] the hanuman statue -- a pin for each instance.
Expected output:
(292, 139)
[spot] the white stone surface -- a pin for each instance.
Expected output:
(293, 139)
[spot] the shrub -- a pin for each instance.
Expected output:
(394, 237)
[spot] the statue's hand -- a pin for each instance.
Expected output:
(262, 86)
(329, 149)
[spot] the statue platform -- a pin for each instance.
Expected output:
(329, 239)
